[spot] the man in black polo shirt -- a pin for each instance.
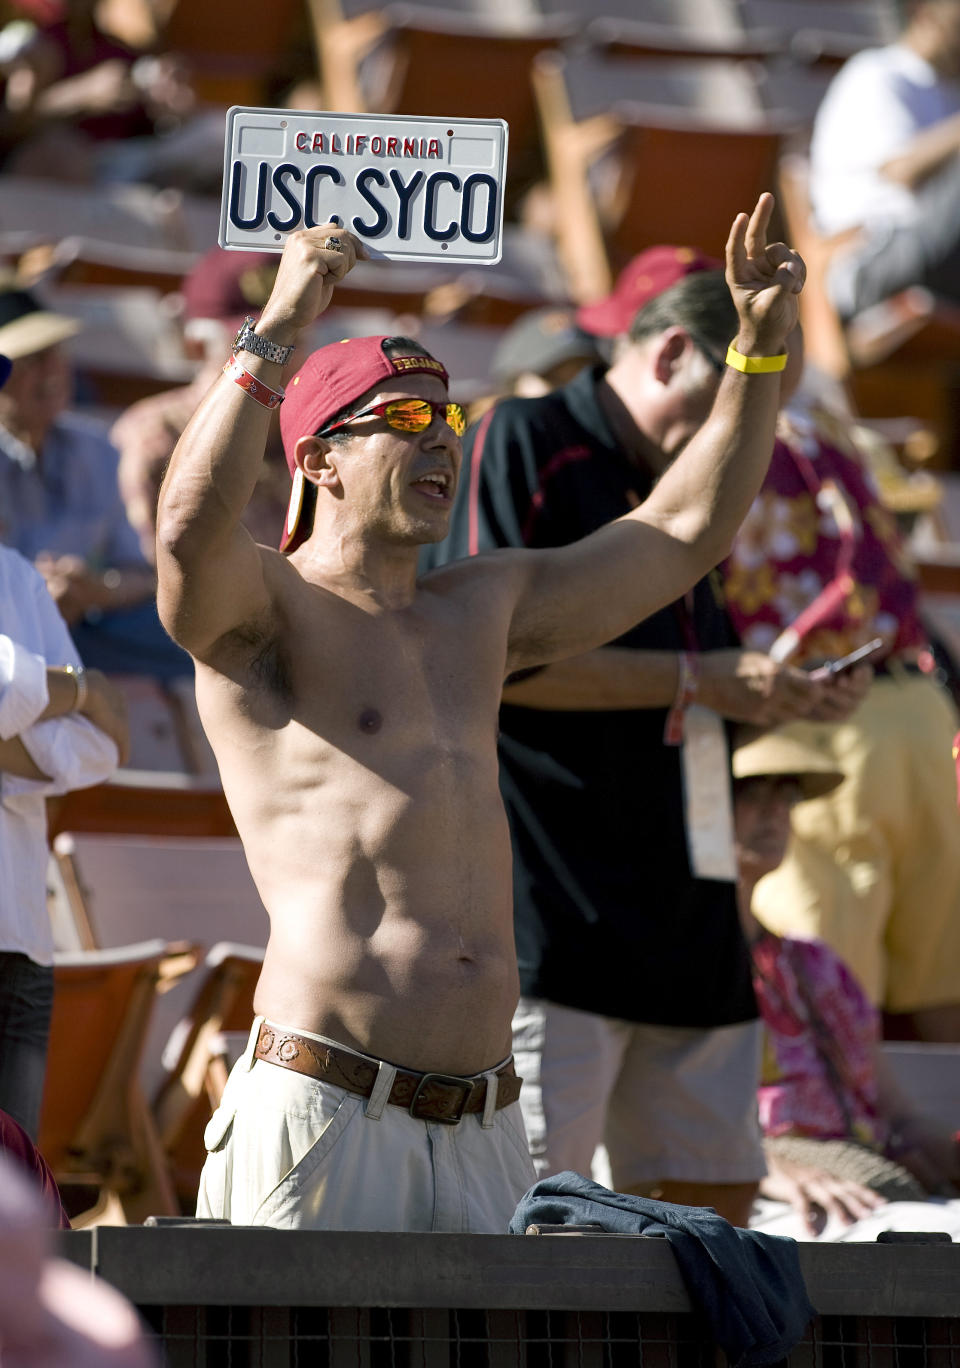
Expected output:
(637, 1025)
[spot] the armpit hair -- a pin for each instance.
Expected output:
(266, 660)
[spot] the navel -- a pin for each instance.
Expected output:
(370, 721)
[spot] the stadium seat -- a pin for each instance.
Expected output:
(144, 803)
(239, 56)
(96, 1129)
(137, 218)
(199, 1055)
(707, 20)
(826, 31)
(630, 37)
(622, 163)
(110, 890)
(410, 60)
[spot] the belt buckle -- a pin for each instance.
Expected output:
(466, 1084)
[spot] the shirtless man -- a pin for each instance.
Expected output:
(353, 711)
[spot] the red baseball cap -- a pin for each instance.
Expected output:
(331, 378)
(641, 280)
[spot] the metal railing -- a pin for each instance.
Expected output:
(220, 1297)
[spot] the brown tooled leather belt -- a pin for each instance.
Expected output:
(426, 1096)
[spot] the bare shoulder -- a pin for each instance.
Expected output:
(493, 577)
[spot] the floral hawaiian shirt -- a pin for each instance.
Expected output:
(792, 545)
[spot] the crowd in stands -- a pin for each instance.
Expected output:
(736, 868)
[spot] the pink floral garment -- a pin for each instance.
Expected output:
(820, 1038)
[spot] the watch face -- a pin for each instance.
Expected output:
(240, 338)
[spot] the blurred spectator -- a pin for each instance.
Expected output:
(61, 728)
(71, 88)
(15, 1142)
(885, 170)
(842, 1142)
(818, 569)
(541, 351)
(221, 290)
(52, 1314)
(636, 1027)
(60, 503)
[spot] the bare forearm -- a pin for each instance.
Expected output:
(925, 155)
(610, 679)
(15, 759)
(706, 493)
(216, 463)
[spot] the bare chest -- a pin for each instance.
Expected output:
(371, 685)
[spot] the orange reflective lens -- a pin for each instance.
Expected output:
(416, 415)
(409, 415)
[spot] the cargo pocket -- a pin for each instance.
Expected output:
(217, 1130)
(213, 1195)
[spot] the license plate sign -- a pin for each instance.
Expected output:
(411, 189)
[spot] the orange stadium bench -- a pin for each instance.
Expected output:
(638, 155)
(144, 803)
(77, 260)
(96, 1129)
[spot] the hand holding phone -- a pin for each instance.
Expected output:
(831, 668)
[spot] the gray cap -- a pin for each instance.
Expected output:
(538, 341)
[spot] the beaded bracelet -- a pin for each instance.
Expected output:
(250, 384)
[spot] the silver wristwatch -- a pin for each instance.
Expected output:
(247, 340)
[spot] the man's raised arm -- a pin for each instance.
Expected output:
(576, 597)
(210, 571)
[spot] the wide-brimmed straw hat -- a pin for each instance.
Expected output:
(26, 327)
(782, 753)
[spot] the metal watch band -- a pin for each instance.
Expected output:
(248, 340)
(78, 674)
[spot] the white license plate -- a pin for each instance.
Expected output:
(421, 189)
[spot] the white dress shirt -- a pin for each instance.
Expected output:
(70, 749)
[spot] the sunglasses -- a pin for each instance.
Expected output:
(408, 415)
(706, 350)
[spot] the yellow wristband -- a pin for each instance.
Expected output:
(755, 365)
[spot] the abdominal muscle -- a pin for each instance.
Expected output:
(391, 917)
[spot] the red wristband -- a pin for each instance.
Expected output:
(687, 685)
(250, 384)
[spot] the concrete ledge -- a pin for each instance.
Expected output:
(255, 1266)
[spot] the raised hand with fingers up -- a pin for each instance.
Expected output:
(765, 280)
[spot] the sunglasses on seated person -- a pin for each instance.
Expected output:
(407, 415)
